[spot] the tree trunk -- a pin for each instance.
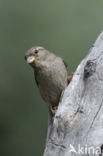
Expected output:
(77, 128)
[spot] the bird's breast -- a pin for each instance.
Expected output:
(51, 82)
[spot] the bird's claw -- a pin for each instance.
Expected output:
(53, 110)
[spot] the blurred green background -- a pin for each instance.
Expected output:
(66, 27)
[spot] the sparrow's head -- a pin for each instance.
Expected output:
(35, 56)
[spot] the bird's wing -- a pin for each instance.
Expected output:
(65, 63)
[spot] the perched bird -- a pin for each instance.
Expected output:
(50, 75)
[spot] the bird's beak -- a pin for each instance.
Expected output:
(31, 59)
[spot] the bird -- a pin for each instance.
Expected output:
(51, 76)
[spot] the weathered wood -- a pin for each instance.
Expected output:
(79, 119)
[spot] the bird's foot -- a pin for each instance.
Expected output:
(70, 78)
(53, 110)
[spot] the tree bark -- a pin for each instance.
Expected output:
(77, 128)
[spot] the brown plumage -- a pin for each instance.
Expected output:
(50, 74)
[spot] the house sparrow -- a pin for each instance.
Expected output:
(50, 75)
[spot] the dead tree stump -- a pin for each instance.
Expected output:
(77, 129)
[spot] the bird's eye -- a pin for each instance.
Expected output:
(36, 51)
